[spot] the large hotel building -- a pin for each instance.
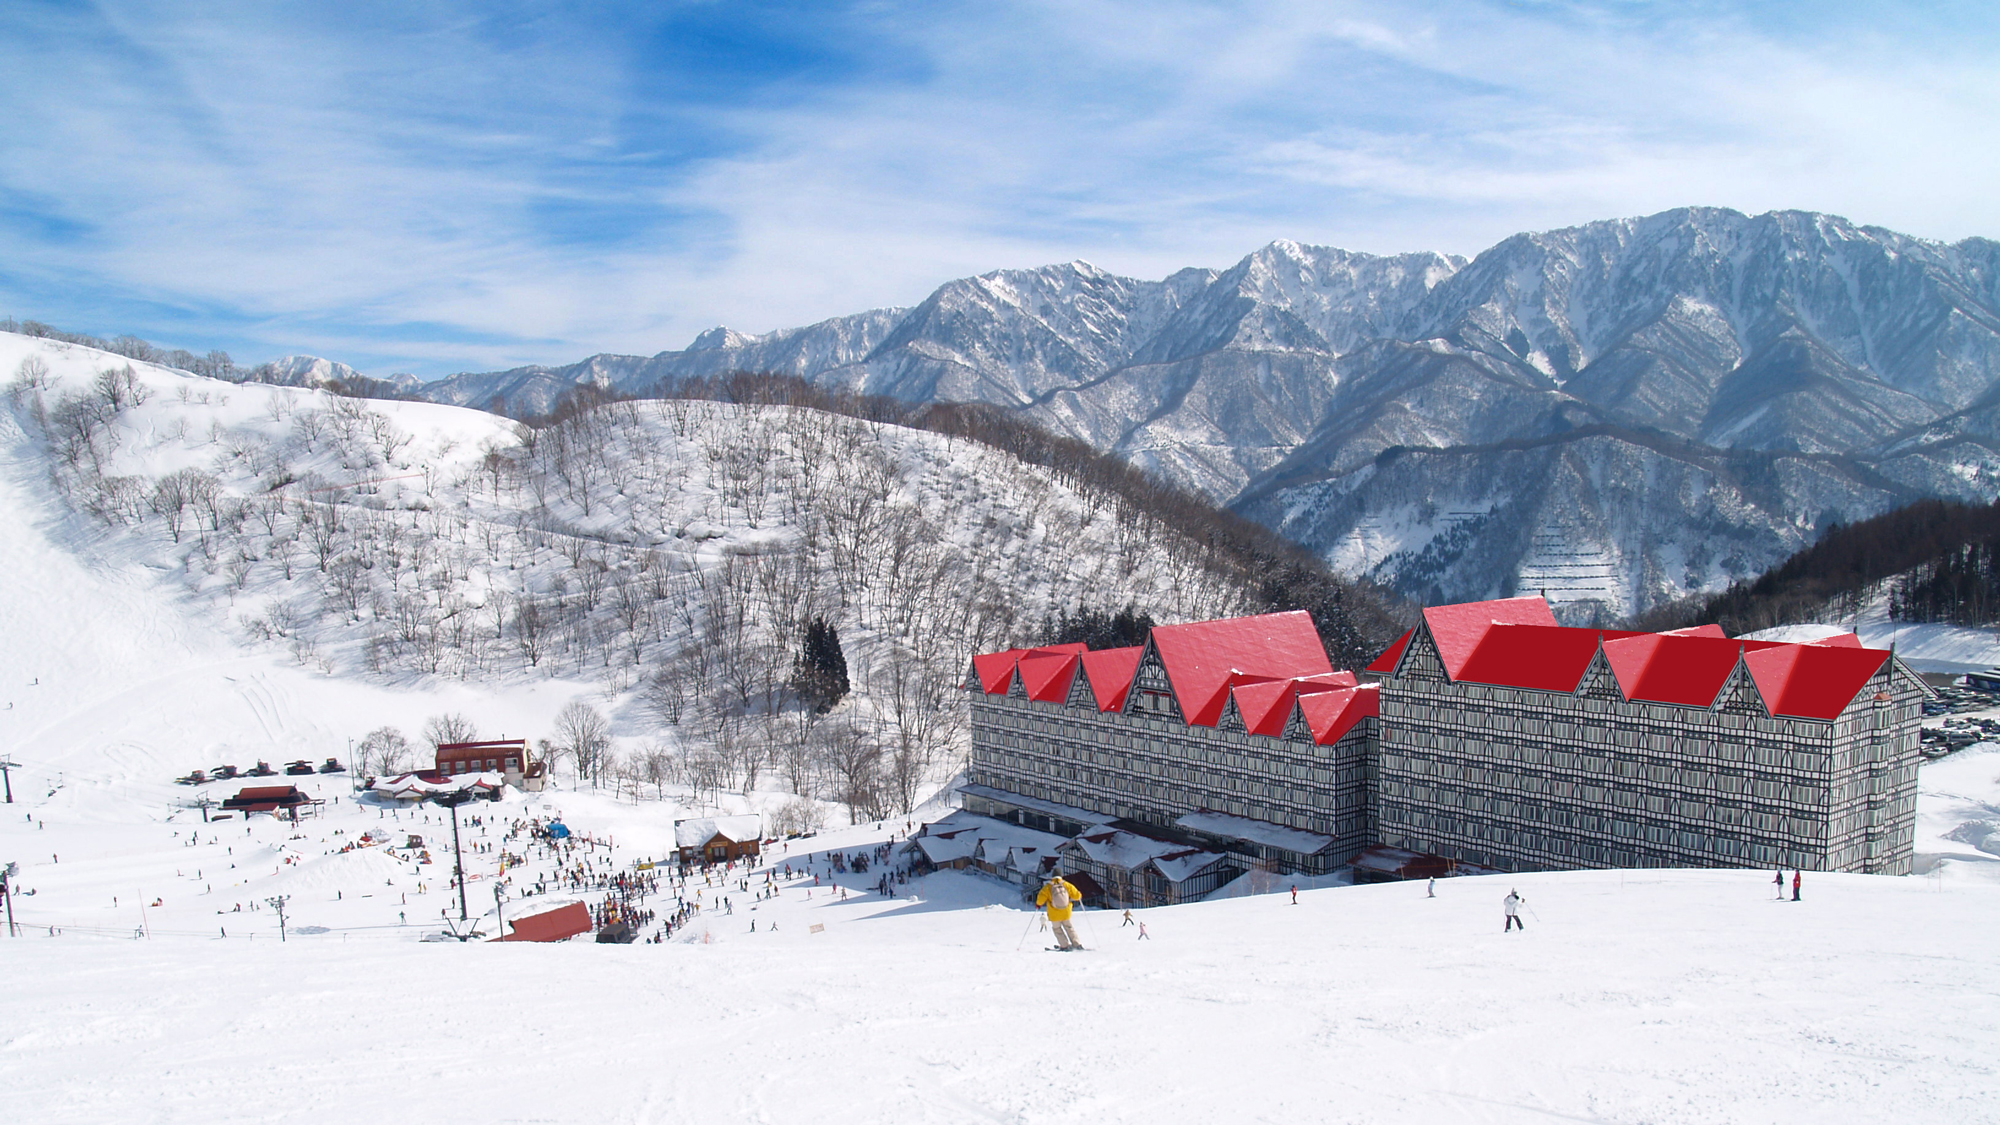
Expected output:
(1488, 735)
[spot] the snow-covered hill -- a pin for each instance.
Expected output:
(659, 561)
(1638, 408)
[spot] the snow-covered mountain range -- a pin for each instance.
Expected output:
(1617, 413)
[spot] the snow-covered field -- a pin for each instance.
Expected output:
(1632, 997)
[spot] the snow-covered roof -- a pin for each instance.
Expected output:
(1262, 832)
(1036, 804)
(960, 835)
(1179, 866)
(411, 786)
(1115, 847)
(697, 831)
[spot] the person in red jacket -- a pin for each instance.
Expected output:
(1798, 877)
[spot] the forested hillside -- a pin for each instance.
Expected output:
(1935, 561)
(692, 563)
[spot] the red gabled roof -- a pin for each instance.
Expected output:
(1812, 681)
(1047, 672)
(1201, 657)
(1385, 664)
(1110, 672)
(1331, 714)
(1544, 657)
(1839, 640)
(1458, 629)
(996, 670)
(1266, 705)
(1683, 668)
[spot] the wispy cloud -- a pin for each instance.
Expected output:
(447, 186)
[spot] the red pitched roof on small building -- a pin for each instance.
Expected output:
(1110, 671)
(551, 925)
(1545, 657)
(1200, 658)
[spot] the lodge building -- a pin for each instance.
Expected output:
(1488, 735)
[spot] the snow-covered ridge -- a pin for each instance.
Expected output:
(1798, 366)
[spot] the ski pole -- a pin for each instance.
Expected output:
(1024, 933)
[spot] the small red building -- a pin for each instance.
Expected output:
(719, 839)
(560, 924)
(272, 799)
(507, 757)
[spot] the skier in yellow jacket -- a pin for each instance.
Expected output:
(1060, 895)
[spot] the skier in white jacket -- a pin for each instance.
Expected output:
(1512, 904)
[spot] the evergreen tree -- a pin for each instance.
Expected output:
(819, 675)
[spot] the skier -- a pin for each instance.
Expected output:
(1058, 895)
(1779, 879)
(1295, 894)
(1127, 921)
(1798, 877)
(1142, 932)
(1512, 904)
(1432, 890)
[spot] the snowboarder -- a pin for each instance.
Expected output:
(1798, 877)
(1059, 895)
(1512, 904)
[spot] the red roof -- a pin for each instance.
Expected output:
(1545, 657)
(1331, 714)
(1515, 643)
(1458, 629)
(1266, 705)
(996, 670)
(1815, 681)
(1202, 657)
(1672, 668)
(1046, 672)
(1385, 664)
(1110, 672)
(551, 925)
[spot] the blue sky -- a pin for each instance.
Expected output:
(433, 187)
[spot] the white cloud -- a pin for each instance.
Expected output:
(385, 192)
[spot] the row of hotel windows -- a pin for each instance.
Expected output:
(1554, 777)
(1788, 758)
(1595, 815)
(472, 765)
(1669, 846)
(1213, 766)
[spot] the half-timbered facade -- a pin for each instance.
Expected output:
(1490, 736)
(1244, 718)
(1510, 741)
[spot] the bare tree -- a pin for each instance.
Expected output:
(854, 757)
(440, 730)
(584, 735)
(383, 750)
